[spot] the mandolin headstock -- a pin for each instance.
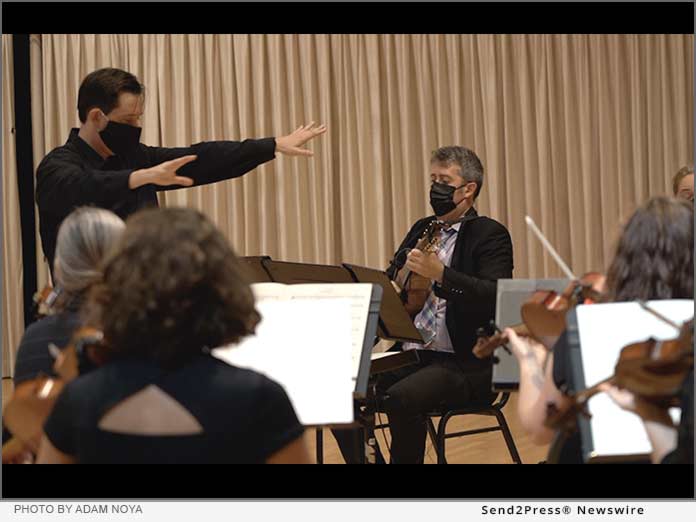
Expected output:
(431, 237)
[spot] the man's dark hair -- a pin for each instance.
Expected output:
(466, 159)
(102, 88)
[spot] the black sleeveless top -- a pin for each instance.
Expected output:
(245, 416)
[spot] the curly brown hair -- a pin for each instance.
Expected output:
(655, 255)
(173, 288)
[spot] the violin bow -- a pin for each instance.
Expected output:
(549, 248)
(657, 314)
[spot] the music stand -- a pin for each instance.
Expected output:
(596, 335)
(305, 273)
(511, 295)
(255, 269)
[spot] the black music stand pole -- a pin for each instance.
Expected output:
(367, 420)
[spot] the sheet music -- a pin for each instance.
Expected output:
(604, 330)
(270, 291)
(359, 295)
(304, 345)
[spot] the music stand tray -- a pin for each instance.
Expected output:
(255, 269)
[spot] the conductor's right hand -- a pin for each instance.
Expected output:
(163, 174)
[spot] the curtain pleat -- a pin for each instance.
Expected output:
(574, 130)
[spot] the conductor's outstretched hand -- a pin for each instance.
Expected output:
(292, 143)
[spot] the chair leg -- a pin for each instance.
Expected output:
(432, 432)
(508, 437)
(441, 440)
(320, 446)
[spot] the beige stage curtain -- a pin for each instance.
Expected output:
(12, 294)
(574, 130)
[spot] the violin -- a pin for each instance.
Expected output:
(25, 414)
(544, 312)
(43, 301)
(33, 401)
(15, 452)
(653, 370)
(492, 338)
(543, 315)
(414, 288)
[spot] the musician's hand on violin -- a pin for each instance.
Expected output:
(14, 451)
(624, 399)
(658, 423)
(526, 349)
(428, 265)
(21, 457)
(632, 402)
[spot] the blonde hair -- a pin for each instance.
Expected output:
(85, 237)
(679, 176)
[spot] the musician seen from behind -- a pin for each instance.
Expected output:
(85, 239)
(653, 259)
(473, 253)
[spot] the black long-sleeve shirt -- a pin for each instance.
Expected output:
(74, 174)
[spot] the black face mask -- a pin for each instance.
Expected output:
(442, 198)
(121, 138)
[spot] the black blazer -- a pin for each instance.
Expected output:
(482, 255)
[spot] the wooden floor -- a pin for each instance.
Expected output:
(486, 448)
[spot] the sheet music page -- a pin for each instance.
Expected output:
(274, 291)
(604, 330)
(305, 345)
(359, 295)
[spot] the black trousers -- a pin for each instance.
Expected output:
(406, 395)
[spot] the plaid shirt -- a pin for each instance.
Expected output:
(431, 320)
